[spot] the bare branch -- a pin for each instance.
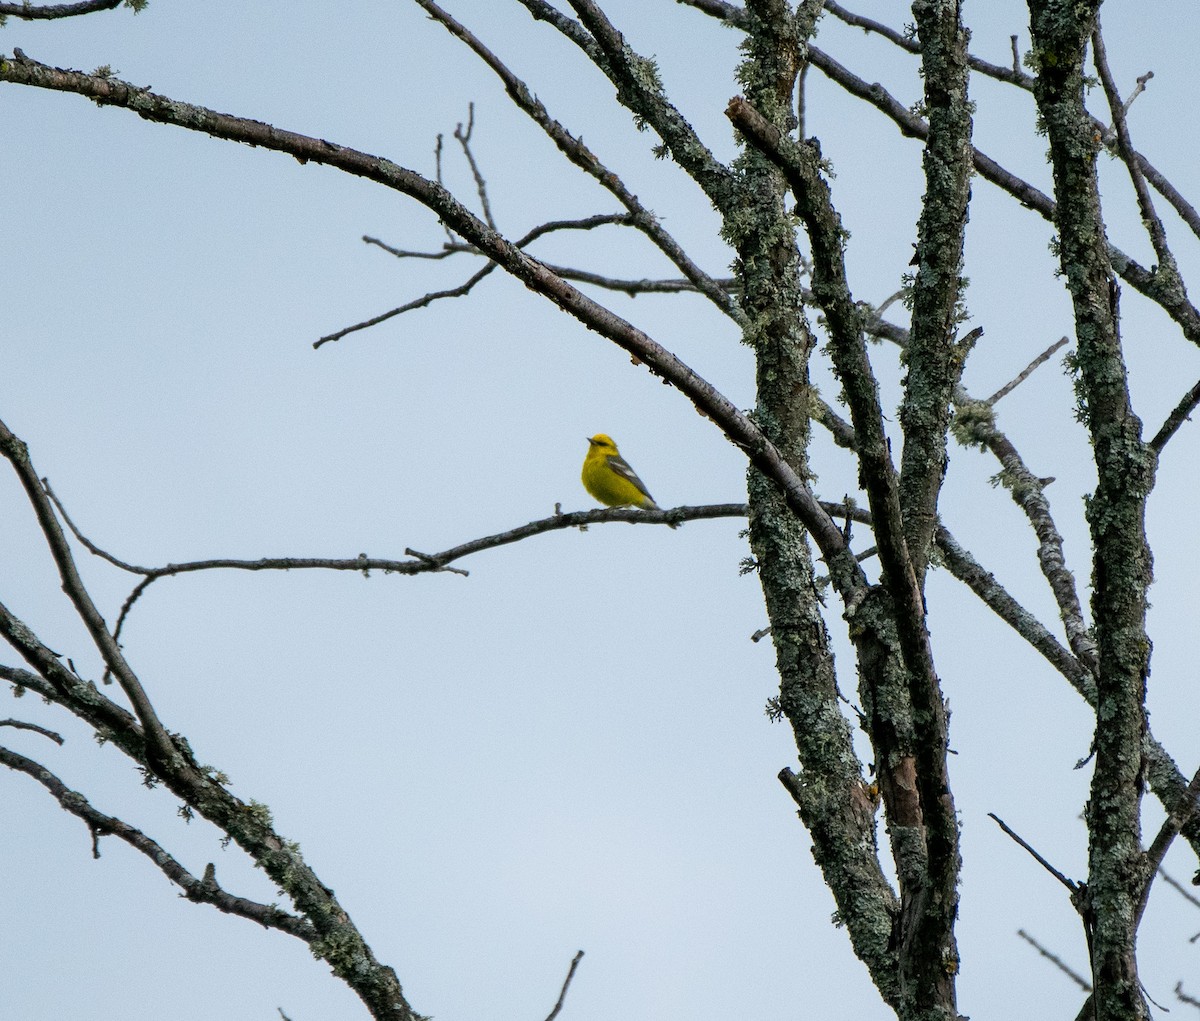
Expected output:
(575, 151)
(15, 451)
(1171, 299)
(638, 89)
(458, 248)
(800, 163)
(1178, 887)
(1054, 959)
(1181, 413)
(631, 287)
(565, 986)
(338, 940)
(736, 425)
(1154, 226)
(983, 583)
(422, 302)
(22, 725)
(935, 361)
(1183, 997)
(1015, 76)
(1026, 372)
(83, 539)
(1072, 887)
(463, 135)
(202, 891)
(447, 250)
(465, 288)
(975, 423)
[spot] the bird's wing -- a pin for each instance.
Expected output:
(618, 464)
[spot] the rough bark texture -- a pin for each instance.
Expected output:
(829, 790)
(934, 361)
(1116, 511)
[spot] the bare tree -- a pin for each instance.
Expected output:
(790, 294)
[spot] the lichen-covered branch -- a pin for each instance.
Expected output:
(169, 758)
(830, 789)
(935, 361)
(929, 953)
(203, 890)
(1013, 76)
(640, 91)
(1116, 511)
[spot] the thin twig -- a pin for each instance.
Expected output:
(587, 223)
(83, 539)
(461, 248)
(16, 452)
(22, 725)
(438, 149)
(464, 140)
(1183, 997)
(1181, 413)
(631, 287)
(447, 250)
(578, 153)
(1057, 961)
(1071, 885)
(1025, 373)
(204, 891)
(422, 302)
(566, 985)
(1175, 884)
(434, 563)
(1154, 226)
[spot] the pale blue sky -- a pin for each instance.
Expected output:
(568, 748)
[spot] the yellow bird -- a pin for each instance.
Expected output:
(608, 477)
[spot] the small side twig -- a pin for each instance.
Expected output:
(1183, 997)
(203, 890)
(1070, 884)
(87, 544)
(464, 139)
(1175, 884)
(1025, 373)
(1181, 413)
(453, 247)
(22, 725)
(1129, 156)
(434, 563)
(566, 985)
(1053, 958)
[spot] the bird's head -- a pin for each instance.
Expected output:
(603, 443)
